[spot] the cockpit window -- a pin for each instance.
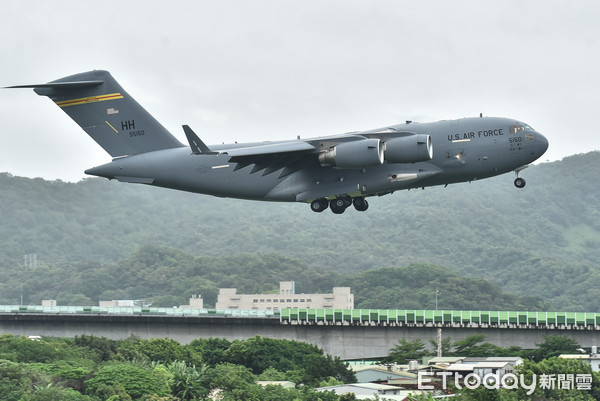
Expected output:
(515, 129)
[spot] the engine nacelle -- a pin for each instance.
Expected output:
(409, 149)
(354, 154)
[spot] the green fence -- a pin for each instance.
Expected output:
(424, 317)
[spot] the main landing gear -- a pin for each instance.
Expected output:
(339, 205)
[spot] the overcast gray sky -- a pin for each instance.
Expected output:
(275, 69)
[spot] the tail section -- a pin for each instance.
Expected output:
(107, 113)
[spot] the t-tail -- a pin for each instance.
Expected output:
(101, 107)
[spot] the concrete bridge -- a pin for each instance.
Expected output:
(349, 334)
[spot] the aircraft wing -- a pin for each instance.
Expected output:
(287, 156)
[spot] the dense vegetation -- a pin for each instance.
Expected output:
(542, 241)
(89, 368)
(167, 277)
(475, 346)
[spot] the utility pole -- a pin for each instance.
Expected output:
(439, 332)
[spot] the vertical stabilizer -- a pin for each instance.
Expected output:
(107, 113)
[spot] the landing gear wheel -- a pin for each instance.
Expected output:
(338, 205)
(318, 205)
(360, 204)
(519, 182)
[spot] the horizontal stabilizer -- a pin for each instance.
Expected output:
(198, 147)
(59, 85)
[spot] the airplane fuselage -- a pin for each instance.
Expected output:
(463, 150)
(327, 172)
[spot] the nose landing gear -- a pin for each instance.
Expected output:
(520, 182)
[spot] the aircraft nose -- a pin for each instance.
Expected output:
(541, 143)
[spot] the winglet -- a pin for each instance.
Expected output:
(198, 147)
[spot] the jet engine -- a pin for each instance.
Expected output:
(409, 149)
(354, 154)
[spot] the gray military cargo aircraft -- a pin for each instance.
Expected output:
(332, 171)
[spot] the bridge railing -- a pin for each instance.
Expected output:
(123, 310)
(439, 317)
(346, 316)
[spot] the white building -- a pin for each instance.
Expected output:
(371, 390)
(341, 298)
(196, 302)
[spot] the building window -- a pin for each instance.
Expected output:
(268, 300)
(262, 301)
(303, 300)
(289, 300)
(308, 300)
(295, 300)
(255, 301)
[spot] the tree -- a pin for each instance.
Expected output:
(553, 346)
(58, 394)
(558, 366)
(272, 374)
(189, 382)
(66, 373)
(475, 345)
(135, 380)
(259, 353)
(227, 377)
(114, 392)
(22, 349)
(103, 347)
(406, 350)
(211, 351)
(446, 345)
(162, 350)
(12, 381)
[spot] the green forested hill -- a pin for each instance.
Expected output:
(167, 277)
(541, 241)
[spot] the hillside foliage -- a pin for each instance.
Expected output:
(89, 368)
(98, 236)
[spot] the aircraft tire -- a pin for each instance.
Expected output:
(318, 205)
(338, 205)
(360, 204)
(519, 182)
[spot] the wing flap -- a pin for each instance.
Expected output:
(271, 148)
